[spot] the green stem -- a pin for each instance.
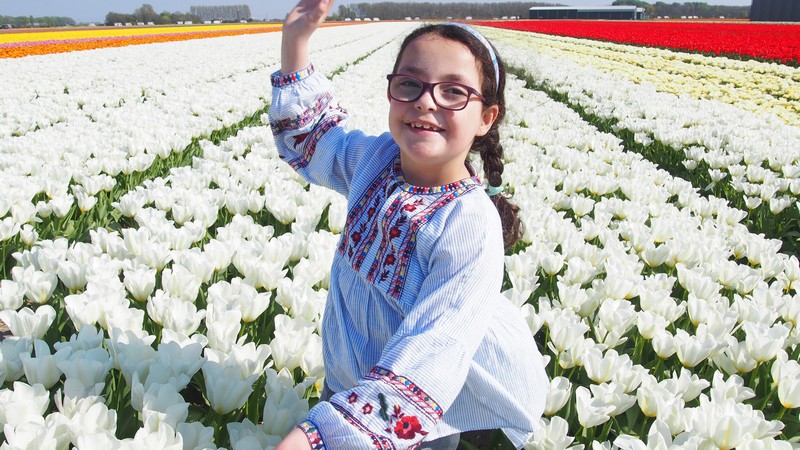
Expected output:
(767, 398)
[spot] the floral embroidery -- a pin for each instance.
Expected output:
(385, 221)
(403, 426)
(324, 124)
(408, 427)
(352, 398)
(409, 390)
(378, 441)
(367, 409)
(301, 120)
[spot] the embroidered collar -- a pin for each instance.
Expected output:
(397, 173)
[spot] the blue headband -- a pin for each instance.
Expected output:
(486, 44)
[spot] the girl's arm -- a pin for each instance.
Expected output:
(300, 24)
(307, 122)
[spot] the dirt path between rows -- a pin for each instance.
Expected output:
(4, 330)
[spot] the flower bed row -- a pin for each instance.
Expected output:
(751, 160)
(752, 40)
(61, 34)
(761, 88)
(114, 128)
(46, 47)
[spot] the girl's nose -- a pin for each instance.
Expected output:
(425, 102)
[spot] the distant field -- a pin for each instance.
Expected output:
(27, 42)
(777, 42)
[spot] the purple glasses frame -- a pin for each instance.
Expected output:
(429, 87)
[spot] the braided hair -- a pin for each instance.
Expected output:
(487, 146)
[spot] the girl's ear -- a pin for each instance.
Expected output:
(488, 117)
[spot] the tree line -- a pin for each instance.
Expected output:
(146, 14)
(699, 9)
(30, 21)
(427, 10)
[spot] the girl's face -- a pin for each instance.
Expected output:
(434, 141)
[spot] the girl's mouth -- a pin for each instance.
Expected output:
(422, 127)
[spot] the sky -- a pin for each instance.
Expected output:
(96, 10)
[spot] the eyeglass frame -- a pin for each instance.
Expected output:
(429, 87)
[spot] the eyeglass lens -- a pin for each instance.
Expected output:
(446, 95)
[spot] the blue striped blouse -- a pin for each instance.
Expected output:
(418, 342)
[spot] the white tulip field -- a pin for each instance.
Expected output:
(163, 273)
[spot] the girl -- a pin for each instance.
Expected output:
(419, 344)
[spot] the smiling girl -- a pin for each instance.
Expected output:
(419, 344)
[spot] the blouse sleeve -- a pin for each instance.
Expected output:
(309, 129)
(425, 364)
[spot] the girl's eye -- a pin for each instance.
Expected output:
(454, 90)
(409, 83)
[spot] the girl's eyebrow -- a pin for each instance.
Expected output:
(419, 72)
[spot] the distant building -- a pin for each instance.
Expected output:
(775, 10)
(587, 12)
(227, 13)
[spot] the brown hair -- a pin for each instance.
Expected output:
(487, 146)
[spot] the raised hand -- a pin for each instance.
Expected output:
(300, 24)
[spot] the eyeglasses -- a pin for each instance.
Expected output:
(446, 94)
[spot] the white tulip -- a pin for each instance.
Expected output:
(552, 434)
(163, 404)
(250, 359)
(23, 403)
(174, 314)
(285, 406)
(11, 295)
(51, 432)
(41, 369)
(337, 215)
(197, 262)
(180, 283)
(140, 281)
(247, 435)
(72, 274)
(223, 327)
(612, 394)
(763, 342)
(292, 336)
(312, 363)
(164, 438)
(226, 389)
(591, 411)
(39, 286)
(664, 344)
(557, 395)
(195, 436)
(9, 228)
(219, 253)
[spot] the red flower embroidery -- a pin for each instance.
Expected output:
(390, 260)
(298, 139)
(353, 398)
(409, 207)
(394, 232)
(367, 409)
(408, 427)
(356, 237)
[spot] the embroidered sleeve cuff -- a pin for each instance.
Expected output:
(312, 434)
(280, 80)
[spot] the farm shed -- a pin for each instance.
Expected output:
(587, 12)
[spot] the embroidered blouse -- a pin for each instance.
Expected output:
(418, 342)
